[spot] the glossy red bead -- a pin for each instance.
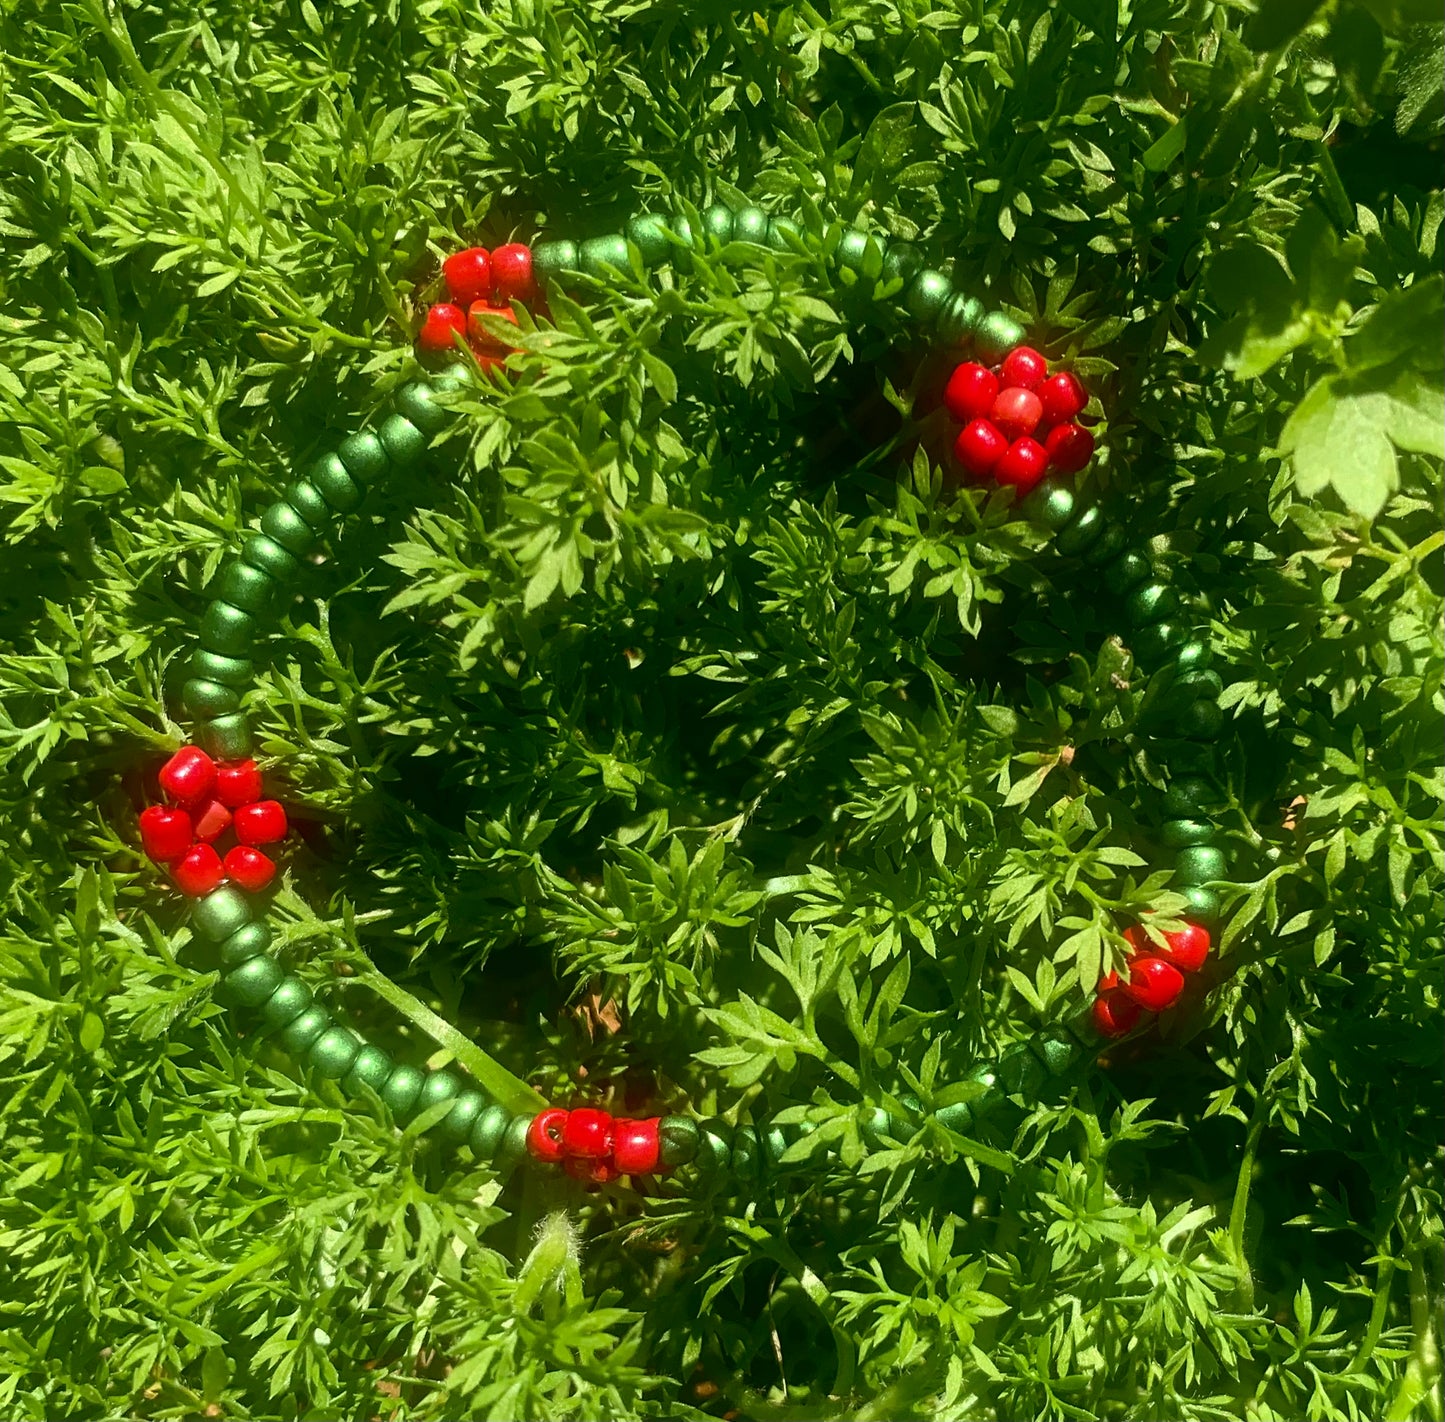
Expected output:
(443, 324)
(482, 340)
(636, 1148)
(1016, 412)
(588, 1134)
(512, 273)
(261, 823)
(544, 1135)
(591, 1172)
(468, 275)
(212, 820)
(165, 833)
(1187, 948)
(1063, 398)
(970, 392)
(1070, 447)
(1115, 1015)
(1023, 464)
(1153, 983)
(238, 784)
(188, 775)
(979, 447)
(198, 871)
(248, 867)
(1024, 366)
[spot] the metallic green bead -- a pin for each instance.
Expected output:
(875, 1126)
(957, 320)
(286, 526)
(774, 1141)
(402, 1088)
(1179, 834)
(418, 402)
(648, 233)
(1081, 533)
(335, 485)
(1205, 905)
(1199, 864)
(371, 1068)
(1110, 542)
(1193, 758)
(1190, 796)
(333, 1052)
(1202, 683)
(287, 1003)
(1057, 1050)
(364, 457)
(780, 230)
(1202, 721)
(1152, 603)
(957, 1117)
(681, 228)
(205, 699)
(599, 254)
(226, 737)
(997, 335)
(987, 1077)
(551, 261)
(488, 1131)
(403, 442)
(750, 225)
(244, 944)
(713, 1155)
(263, 552)
(928, 293)
(1127, 571)
(248, 588)
(1050, 504)
(1021, 1072)
(513, 1150)
(1195, 655)
(303, 1030)
(746, 1154)
(439, 1086)
(717, 222)
(679, 1139)
(221, 913)
(228, 630)
(303, 496)
(253, 981)
(1152, 644)
(457, 1124)
(901, 261)
(214, 666)
(852, 249)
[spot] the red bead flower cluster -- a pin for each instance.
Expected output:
(1156, 977)
(1019, 422)
(209, 801)
(593, 1146)
(479, 283)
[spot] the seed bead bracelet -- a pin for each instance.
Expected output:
(1019, 425)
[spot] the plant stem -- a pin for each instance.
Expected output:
(1240, 1209)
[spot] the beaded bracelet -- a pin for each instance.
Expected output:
(1001, 401)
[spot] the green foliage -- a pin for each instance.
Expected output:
(677, 696)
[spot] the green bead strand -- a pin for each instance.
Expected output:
(554, 260)
(207, 699)
(402, 1088)
(303, 496)
(262, 551)
(717, 222)
(303, 1030)
(1021, 1072)
(713, 1155)
(1154, 602)
(901, 262)
(370, 1069)
(1195, 655)
(1180, 834)
(783, 234)
(853, 250)
(956, 1117)
(215, 666)
(750, 224)
(244, 944)
(1081, 532)
(488, 1131)
(286, 526)
(679, 1139)
(875, 1127)
(1152, 644)
(1126, 572)
(457, 1124)
(248, 588)
(928, 294)
(333, 1052)
(513, 1150)
(1058, 1050)
(1190, 796)
(253, 981)
(599, 255)
(997, 335)
(286, 1004)
(403, 442)
(1201, 721)
(774, 1142)
(226, 737)
(331, 480)
(439, 1086)
(986, 1076)
(1110, 542)
(1199, 864)
(1050, 504)
(364, 457)
(959, 319)
(220, 913)
(228, 630)
(417, 401)
(1205, 905)
(745, 1153)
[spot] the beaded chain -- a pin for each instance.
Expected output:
(1019, 426)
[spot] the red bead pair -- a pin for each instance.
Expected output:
(594, 1146)
(1156, 977)
(1018, 420)
(210, 800)
(479, 284)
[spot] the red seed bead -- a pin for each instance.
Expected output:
(1070, 447)
(482, 339)
(468, 275)
(1153, 983)
(261, 823)
(198, 871)
(979, 447)
(970, 392)
(544, 1135)
(591, 1172)
(248, 867)
(1115, 1015)
(1187, 948)
(1024, 366)
(165, 833)
(1108, 983)
(188, 775)
(636, 1147)
(588, 1134)
(1063, 398)
(1023, 464)
(213, 819)
(1016, 411)
(443, 324)
(238, 784)
(512, 273)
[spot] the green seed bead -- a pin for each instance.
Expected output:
(1179, 834)
(648, 233)
(341, 492)
(928, 294)
(244, 944)
(333, 1052)
(1205, 905)
(959, 319)
(901, 261)
(513, 1150)
(1201, 721)
(364, 456)
(713, 1155)
(1190, 796)
(717, 222)
(681, 228)
(221, 913)
(226, 737)
(228, 630)
(957, 1117)
(457, 376)
(263, 552)
(488, 1131)
(418, 402)
(1152, 644)
(679, 1139)
(287, 527)
(600, 254)
(1057, 1050)
(876, 1125)
(997, 335)
(780, 230)
(303, 496)
(1021, 1072)
(248, 588)
(1194, 655)
(1201, 683)
(286, 1004)
(402, 1088)
(1127, 571)
(253, 981)
(1050, 504)
(987, 1077)
(750, 225)
(214, 666)
(305, 1029)
(371, 1068)
(774, 1141)
(1110, 542)
(1199, 864)
(1154, 602)
(438, 1086)
(551, 261)
(853, 249)
(1192, 758)
(457, 1124)
(745, 1155)
(1081, 533)
(403, 442)
(206, 699)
